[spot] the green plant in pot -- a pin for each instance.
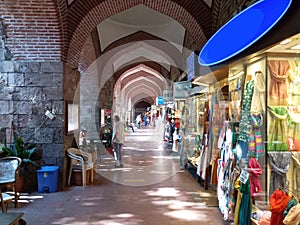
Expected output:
(24, 151)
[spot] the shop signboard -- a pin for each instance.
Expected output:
(168, 95)
(242, 31)
(192, 66)
(181, 89)
(160, 100)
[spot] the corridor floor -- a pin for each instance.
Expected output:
(149, 190)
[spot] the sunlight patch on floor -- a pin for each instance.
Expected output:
(166, 192)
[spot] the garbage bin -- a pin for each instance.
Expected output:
(47, 179)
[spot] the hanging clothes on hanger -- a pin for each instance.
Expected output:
(245, 209)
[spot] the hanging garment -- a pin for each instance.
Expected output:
(293, 174)
(293, 217)
(278, 129)
(237, 186)
(294, 87)
(291, 204)
(278, 203)
(256, 147)
(293, 126)
(279, 71)
(245, 123)
(245, 209)
(258, 99)
(279, 163)
(254, 171)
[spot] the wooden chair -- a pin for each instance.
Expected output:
(80, 160)
(9, 174)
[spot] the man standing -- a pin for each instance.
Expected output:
(118, 140)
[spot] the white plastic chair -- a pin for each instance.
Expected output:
(82, 160)
(9, 175)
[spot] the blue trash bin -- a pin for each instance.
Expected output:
(47, 179)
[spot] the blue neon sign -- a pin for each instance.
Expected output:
(242, 31)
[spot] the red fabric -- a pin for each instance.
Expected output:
(255, 171)
(278, 202)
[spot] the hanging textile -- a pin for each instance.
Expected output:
(237, 186)
(279, 163)
(256, 147)
(293, 217)
(278, 203)
(279, 71)
(293, 126)
(294, 87)
(245, 209)
(245, 123)
(258, 99)
(293, 174)
(278, 129)
(254, 171)
(291, 204)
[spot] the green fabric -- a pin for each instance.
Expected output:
(245, 123)
(245, 209)
(278, 129)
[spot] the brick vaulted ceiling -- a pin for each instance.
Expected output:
(83, 17)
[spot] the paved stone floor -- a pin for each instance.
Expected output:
(149, 190)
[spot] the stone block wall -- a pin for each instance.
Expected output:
(27, 89)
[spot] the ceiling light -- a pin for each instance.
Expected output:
(296, 47)
(286, 41)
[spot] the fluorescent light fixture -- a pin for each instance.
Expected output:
(295, 47)
(286, 41)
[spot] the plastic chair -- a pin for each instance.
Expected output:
(80, 160)
(9, 175)
(5, 199)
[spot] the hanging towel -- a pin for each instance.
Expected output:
(279, 71)
(291, 204)
(256, 147)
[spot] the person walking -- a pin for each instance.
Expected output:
(130, 125)
(118, 140)
(139, 120)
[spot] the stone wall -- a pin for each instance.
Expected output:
(27, 89)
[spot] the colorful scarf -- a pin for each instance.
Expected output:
(255, 171)
(279, 71)
(278, 202)
(293, 217)
(245, 209)
(280, 164)
(278, 129)
(293, 128)
(256, 147)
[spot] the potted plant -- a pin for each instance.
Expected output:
(24, 151)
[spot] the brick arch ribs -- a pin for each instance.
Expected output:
(107, 8)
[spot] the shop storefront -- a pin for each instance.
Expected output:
(255, 128)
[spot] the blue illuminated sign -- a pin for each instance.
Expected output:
(242, 31)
